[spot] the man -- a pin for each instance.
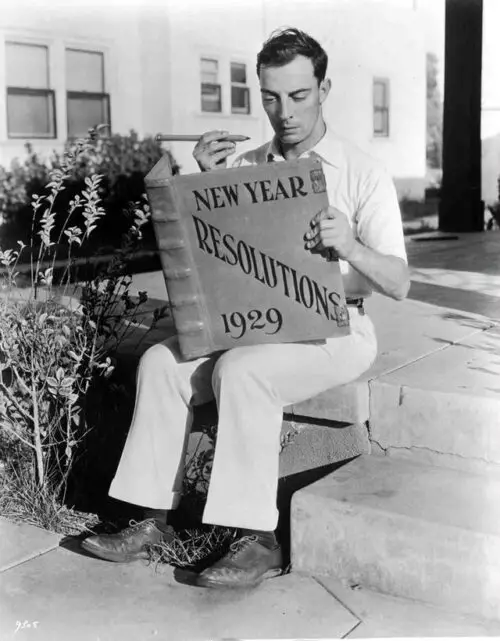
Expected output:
(252, 384)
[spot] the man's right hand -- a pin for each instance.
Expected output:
(211, 151)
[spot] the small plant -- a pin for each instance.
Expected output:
(494, 210)
(190, 548)
(58, 339)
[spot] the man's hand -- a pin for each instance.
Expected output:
(330, 230)
(212, 150)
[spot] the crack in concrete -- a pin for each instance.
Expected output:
(340, 602)
(27, 559)
(348, 634)
(409, 448)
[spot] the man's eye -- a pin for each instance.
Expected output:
(299, 98)
(269, 100)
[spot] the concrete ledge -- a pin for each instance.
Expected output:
(348, 403)
(419, 532)
(431, 329)
(445, 407)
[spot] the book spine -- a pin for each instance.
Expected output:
(179, 270)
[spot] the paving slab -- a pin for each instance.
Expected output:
(414, 531)
(443, 408)
(474, 252)
(76, 597)
(407, 331)
(488, 284)
(444, 272)
(384, 616)
(20, 542)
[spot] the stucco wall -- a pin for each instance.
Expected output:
(153, 53)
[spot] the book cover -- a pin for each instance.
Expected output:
(231, 244)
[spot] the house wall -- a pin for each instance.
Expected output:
(153, 53)
(89, 28)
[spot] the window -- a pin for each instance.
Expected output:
(30, 102)
(381, 107)
(87, 103)
(211, 97)
(240, 93)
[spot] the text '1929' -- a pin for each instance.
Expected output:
(253, 320)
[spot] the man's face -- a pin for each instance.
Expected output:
(292, 99)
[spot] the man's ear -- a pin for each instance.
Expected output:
(324, 89)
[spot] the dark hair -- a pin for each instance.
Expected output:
(284, 45)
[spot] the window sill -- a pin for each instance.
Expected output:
(224, 116)
(27, 138)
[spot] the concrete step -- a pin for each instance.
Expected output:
(400, 528)
(443, 409)
(408, 332)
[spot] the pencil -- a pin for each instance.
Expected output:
(196, 137)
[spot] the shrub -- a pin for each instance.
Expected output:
(57, 342)
(121, 161)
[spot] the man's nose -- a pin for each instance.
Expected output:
(285, 111)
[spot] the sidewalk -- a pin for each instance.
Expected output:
(442, 341)
(58, 593)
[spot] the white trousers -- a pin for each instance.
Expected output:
(251, 386)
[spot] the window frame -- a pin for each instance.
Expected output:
(14, 90)
(26, 91)
(383, 110)
(92, 95)
(241, 85)
(212, 85)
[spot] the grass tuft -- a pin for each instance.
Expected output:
(191, 547)
(22, 501)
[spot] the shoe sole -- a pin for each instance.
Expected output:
(210, 583)
(115, 557)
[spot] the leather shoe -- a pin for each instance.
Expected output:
(246, 565)
(130, 544)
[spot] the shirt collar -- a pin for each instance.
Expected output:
(328, 150)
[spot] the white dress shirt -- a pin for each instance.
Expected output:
(360, 187)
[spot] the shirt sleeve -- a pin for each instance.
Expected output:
(378, 216)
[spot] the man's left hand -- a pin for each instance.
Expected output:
(330, 229)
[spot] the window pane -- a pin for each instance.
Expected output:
(27, 65)
(238, 73)
(84, 71)
(378, 122)
(379, 94)
(30, 115)
(211, 98)
(240, 100)
(85, 112)
(209, 71)
(381, 122)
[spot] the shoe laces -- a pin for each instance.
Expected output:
(242, 544)
(136, 525)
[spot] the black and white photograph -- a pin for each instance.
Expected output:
(249, 319)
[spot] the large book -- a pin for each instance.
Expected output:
(231, 244)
